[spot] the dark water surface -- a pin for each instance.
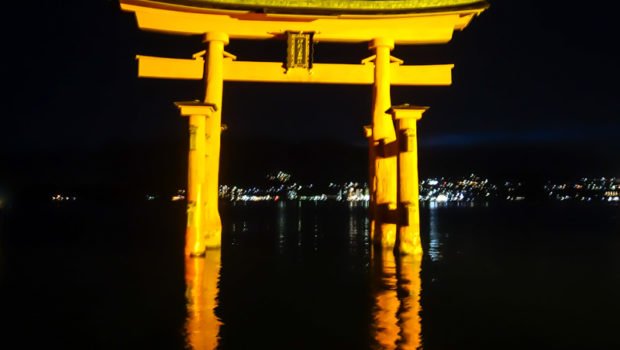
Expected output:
(113, 276)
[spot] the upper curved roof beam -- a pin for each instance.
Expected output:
(404, 21)
(333, 7)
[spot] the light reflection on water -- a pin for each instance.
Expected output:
(503, 282)
(282, 223)
(201, 278)
(354, 232)
(397, 323)
(395, 283)
(434, 249)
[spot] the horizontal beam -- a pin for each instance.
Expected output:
(196, 108)
(275, 72)
(170, 68)
(413, 28)
(436, 74)
(325, 73)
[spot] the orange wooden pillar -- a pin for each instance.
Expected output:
(405, 118)
(199, 115)
(383, 141)
(372, 210)
(214, 80)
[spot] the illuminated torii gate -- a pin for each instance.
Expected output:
(392, 152)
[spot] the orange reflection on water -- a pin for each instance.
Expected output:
(396, 316)
(201, 277)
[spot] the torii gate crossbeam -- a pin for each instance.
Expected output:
(274, 72)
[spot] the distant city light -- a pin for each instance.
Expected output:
(179, 196)
(63, 198)
(443, 191)
(441, 198)
(585, 189)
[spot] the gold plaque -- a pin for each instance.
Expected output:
(299, 50)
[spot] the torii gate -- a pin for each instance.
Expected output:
(393, 172)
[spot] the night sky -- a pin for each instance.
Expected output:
(534, 96)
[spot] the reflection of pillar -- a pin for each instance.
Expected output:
(199, 114)
(405, 117)
(409, 288)
(383, 137)
(214, 76)
(396, 313)
(386, 299)
(201, 277)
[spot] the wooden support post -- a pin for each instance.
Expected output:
(214, 77)
(199, 114)
(371, 181)
(405, 117)
(383, 134)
